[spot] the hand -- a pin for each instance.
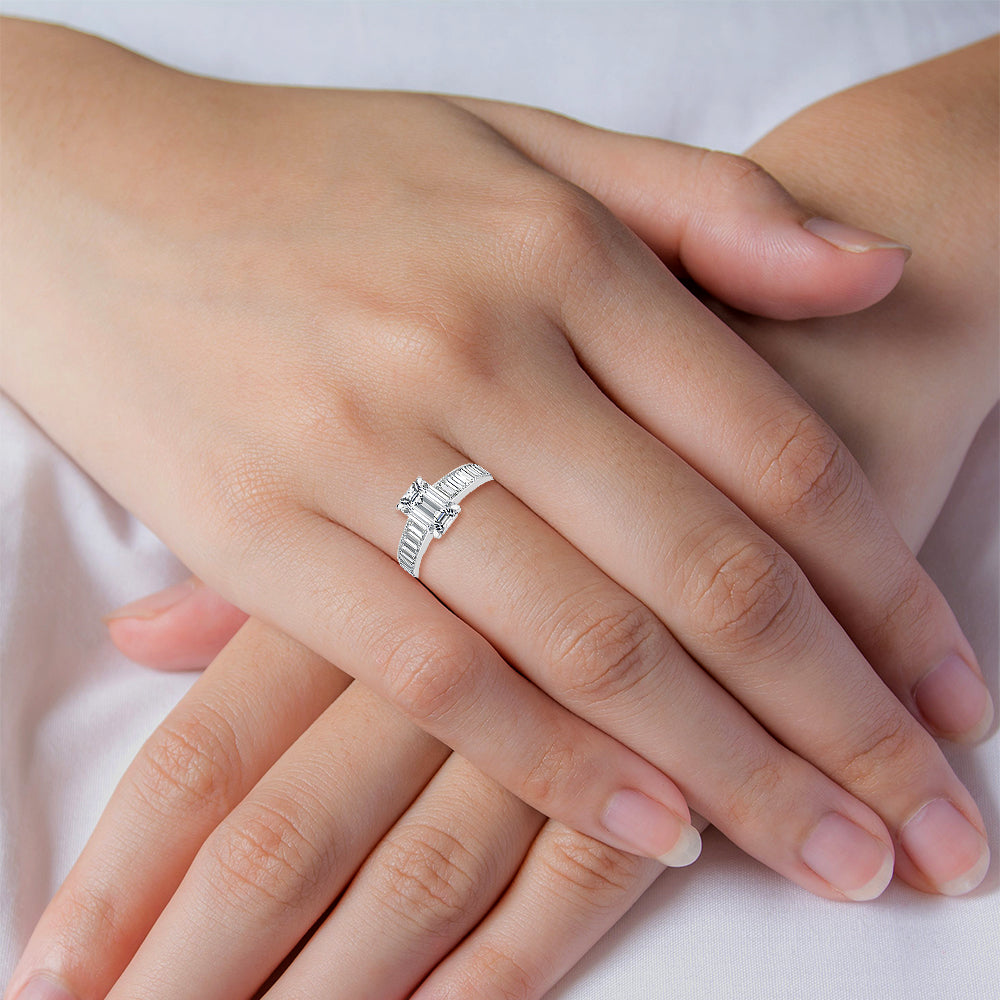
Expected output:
(437, 874)
(430, 882)
(236, 503)
(494, 946)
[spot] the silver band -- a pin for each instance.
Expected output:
(431, 509)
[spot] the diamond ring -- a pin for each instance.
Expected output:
(431, 510)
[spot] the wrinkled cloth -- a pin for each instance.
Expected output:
(74, 712)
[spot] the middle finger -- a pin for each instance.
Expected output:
(743, 608)
(425, 886)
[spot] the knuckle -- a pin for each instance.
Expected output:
(87, 915)
(892, 749)
(730, 173)
(583, 870)
(429, 674)
(427, 878)
(751, 800)
(806, 472)
(264, 857)
(509, 979)
(563, 236)
(477, 355)
(746, 594)
(913, 609)
(244, 488)
(559, 767)
(435, 347)
(492, 974)
(328, 408)
(599, 651)
(192, 764)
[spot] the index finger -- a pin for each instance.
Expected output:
(205, 757)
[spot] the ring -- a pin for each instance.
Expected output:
(431, 510)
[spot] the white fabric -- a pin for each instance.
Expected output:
(74, 713)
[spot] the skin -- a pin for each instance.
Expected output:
(492, 807)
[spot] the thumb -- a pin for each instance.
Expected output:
(181, 628)
(720, 218)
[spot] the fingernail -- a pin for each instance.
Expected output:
(40, 988)
(850, 238)
(955, 701)
(651, 829)
(155, 604)
(848, 857)
(946, 847)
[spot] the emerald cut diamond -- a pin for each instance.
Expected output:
(429, 507)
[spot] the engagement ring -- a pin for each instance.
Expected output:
(431, 510)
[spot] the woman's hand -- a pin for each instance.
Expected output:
(436, 889)
(450, 840)
(99, 897)
(292, 302)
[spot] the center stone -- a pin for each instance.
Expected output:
(429, 507)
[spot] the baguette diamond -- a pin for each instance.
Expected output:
(431, 510)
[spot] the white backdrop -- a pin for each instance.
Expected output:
(720, 74)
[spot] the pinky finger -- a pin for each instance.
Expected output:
(181, 628)
(569, 892)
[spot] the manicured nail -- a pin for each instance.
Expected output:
(955, 701)
(946, 847)
(850, 238)
(651, 829)
(40, 988)
(155, 604)
(849, 858)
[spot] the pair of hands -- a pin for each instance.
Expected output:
(528, 291)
